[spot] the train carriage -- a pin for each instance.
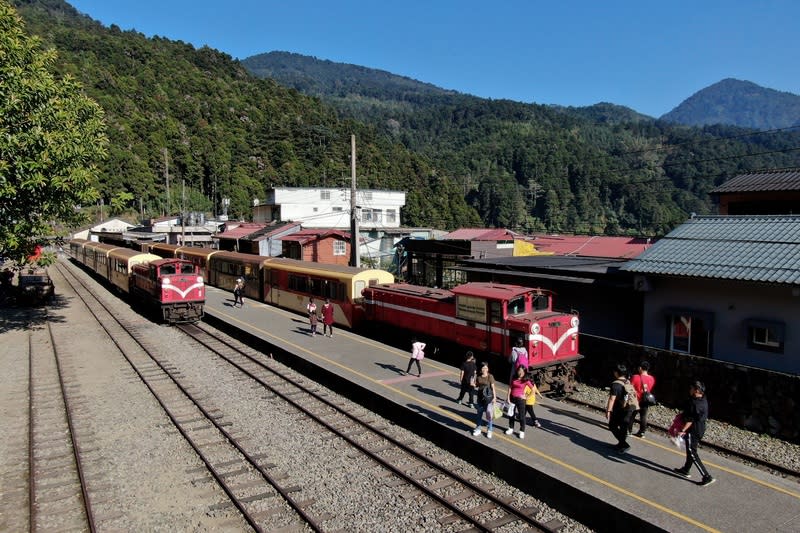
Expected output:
(161, 249)
(197, 255)
(120, 265)
(76, 249)
(96, 257)
(224, 268)
(288, 283)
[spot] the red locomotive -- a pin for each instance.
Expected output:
(172, 286)
(487, 318)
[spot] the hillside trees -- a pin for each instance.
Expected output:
(51, 138)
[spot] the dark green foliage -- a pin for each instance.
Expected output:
(603, 169)
(51, 138)
(199, 118)
(738, 103)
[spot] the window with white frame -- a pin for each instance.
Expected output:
(325, 195)
(339, 248)
(366, 215)
(337, 209)
(391, 215)
(367, 195)
(765, 335)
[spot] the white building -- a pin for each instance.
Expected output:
(330, 207)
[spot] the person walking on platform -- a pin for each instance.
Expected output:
(517, 396)
(530, 393)
(327, 318)
(238, 289)
(467, 379)
(312, 315)
(618, 411)
(518, 357)
(695, 416)
(642, 382)
(487, 395)
(417, 355)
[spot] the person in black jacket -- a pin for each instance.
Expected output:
(695, 416)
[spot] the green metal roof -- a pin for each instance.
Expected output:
(747, 248)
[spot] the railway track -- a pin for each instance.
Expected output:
(718, 448)
(60, 493)
(244, 477)
(464, 504)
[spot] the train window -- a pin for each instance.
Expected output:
(167, 270)
(187, 268)
(541, 302)
(315, 286)
(298, 283)
(359, 288)
(516, 306)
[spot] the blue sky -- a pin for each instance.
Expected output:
(646, 55)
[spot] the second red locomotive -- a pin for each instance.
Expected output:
(487, 318)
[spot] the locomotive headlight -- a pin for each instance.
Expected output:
(199, 279)
(536, 328)
(574, 322)
(165, 281)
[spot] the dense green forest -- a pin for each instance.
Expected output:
(202, 119)
(602, 169)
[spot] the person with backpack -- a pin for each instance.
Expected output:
(621, 405)
(467, 379)
(643, 383)
(312, 316)
(487, 395)
(518, 357)
(694, 418)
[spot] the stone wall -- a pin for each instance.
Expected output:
(752, 398)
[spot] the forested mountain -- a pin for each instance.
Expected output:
(598, 169)
(201, 117)
(738, 103)
(198, 117)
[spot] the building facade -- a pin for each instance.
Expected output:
(330, 207)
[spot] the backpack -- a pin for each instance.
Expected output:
(629, 401)
(521, 359)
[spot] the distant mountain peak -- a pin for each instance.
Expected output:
(738, 103)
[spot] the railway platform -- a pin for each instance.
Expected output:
(568, 462)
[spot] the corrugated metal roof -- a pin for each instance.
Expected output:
(480, 234)
(746, 248)
(591, 245)
(773, 180)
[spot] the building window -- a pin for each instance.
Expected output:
(765, 335)
(339, 248)
(325, 195)
(367, 195)
(689, 332)
(366, 215)
(337, 209)
(391, 216)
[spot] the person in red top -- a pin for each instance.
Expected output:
(640, 381)
(327, 318)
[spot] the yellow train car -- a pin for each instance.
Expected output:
(120, 264)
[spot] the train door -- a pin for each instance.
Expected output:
(495, 337)
(272, 287)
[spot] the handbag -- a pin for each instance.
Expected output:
(509, 409)
(647, 397)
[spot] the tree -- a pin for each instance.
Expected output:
(51, 136)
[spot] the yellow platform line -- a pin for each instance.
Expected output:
(450, 415)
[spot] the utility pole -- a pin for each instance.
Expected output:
(183, 212)
(166, 175)
(354, 240)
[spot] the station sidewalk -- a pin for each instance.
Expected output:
(572, 446)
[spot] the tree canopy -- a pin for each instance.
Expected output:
(51, 138)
